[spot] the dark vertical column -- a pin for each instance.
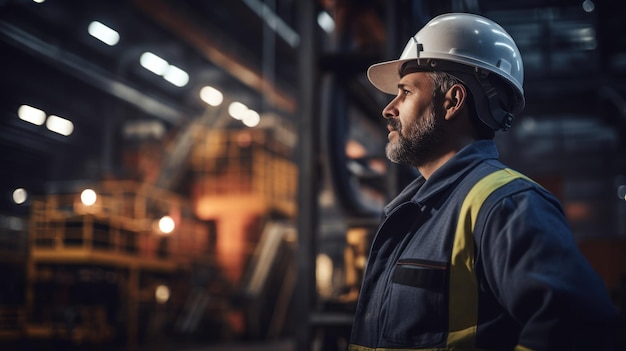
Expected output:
(308, 173)
(392, 52)
(108, 142)
(269, 55)
(132, 342)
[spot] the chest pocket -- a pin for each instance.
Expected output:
(417, 309)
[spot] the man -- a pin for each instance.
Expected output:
(471, 255)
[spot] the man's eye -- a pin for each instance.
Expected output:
(405, 92)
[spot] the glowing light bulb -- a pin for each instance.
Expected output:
(20, 195)
(166, 225)
(88, 197)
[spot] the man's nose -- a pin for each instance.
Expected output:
(390, 111)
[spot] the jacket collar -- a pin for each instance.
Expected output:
(420, 190)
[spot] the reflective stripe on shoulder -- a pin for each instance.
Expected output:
(463, 294)
(353, 347)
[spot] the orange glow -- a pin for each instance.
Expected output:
(244, 139)
(232, 214)
(354, 149)
(231, 244)
(378, 165)
(577, 211)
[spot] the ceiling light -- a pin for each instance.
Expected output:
(103, 33)
(237, 110)
(326, 22)
(153, 63)
(161, 67)
(251, 118)
(176, 76)
(211, 96)
(588, 6)
(31, 114)
(60, 125)
(19, 196)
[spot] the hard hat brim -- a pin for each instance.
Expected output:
(386, 75)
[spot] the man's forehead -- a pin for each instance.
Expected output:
(417, 79)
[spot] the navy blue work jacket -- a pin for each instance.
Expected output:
(535, 289)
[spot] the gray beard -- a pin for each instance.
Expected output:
(421, 144)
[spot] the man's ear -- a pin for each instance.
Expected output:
(454, 101)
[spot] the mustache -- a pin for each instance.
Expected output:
(394, 124)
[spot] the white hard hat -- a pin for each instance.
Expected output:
(464, 44)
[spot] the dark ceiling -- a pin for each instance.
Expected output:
(574, 55)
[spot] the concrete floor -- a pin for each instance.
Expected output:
(266, 346)
(282, 345)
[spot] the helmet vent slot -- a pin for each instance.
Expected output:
(504, 65)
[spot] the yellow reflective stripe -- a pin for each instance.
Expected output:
(353, 347)
(522, 348)
(463, 295)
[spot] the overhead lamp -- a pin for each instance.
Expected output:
(60, 125)
(211, 96)
(237, 110)
(20, 195)
(54, 123)
(153, 63)
(31, 115)
(325, 21)
(588, 6)
(241, 112)
(161, 67)
(103, 33)
(176, 76)
(251, 118)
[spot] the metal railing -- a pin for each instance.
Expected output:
(122, 221)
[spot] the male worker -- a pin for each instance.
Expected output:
(471, 255)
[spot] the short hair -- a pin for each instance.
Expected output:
(442, 82)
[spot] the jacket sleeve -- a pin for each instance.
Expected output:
(534, 269)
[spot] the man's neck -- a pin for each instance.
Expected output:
(428, 168)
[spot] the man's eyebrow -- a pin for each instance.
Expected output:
(410, 85)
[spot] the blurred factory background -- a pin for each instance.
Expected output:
(185, 174)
